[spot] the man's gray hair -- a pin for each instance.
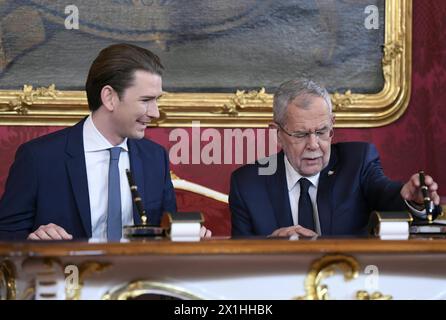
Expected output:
(290, 90)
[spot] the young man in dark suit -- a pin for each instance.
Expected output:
(72, 183)
(317, 187)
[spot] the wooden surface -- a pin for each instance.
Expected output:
(225, 246)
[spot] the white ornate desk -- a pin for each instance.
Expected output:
(226, 269)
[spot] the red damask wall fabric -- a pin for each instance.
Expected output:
(416, 141)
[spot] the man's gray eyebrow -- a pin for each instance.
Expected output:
(299, 131)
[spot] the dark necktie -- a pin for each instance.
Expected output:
(305, 218)
(114, 220)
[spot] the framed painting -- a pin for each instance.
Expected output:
(223, 58)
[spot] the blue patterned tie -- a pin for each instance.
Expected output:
(114, 220)
(305, 219)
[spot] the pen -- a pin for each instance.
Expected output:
(136, 197)
(427, 200)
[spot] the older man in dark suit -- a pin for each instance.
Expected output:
(318, 187)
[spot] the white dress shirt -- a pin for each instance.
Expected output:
(292, 179)
(97, 160)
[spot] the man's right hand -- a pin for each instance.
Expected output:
(50, 231)
(292, 231)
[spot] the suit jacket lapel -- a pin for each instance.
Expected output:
(278, 194)
(324, 194)
(137, 169)
(77, 172)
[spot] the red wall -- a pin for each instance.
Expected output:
(416, 141)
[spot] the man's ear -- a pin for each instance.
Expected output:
(333, 118)
(275, 126)
(108, 97)
(272, 126)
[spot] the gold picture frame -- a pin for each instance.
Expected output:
(51, 107)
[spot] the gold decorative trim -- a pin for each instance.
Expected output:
(243, 100)
(28, 293)
(7, 281)
(137, 288)
(242, 109)
(22, 101)
(324, 268)
(342, 102)
(364, 295)
(415, 245)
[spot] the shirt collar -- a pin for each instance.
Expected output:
(292, 176)
(95, 141)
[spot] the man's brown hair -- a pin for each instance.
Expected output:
(115, 66)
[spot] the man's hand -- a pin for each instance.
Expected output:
(292, 231)
(205, 233)
(50, 232)
(411, 191)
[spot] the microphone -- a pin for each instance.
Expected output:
(143, 230)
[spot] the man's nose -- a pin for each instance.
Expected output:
(312, 141)
(153, 111)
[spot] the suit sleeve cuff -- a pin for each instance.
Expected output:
(416, 209)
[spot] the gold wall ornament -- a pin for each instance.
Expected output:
(242, 101)
(7, 281)
(23, 100)
(86, 269)
(247, 110)
(342, 102)
(229, 110)
(392, 51)
(136, 289)
(324, 268)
